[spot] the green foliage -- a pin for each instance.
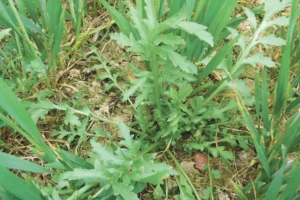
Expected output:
(12, 106)
(170, 78)
(13, 187)
(188, 83)
(275, 137)
(122, 170)
(33, 49)
(37, 31)
(167, 84)
(12, 162)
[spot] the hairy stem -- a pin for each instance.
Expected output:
(236, 70)
(155, 70)
(184, 174)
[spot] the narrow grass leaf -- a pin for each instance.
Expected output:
(5, 195)
(239, 191)
(73, 161)
(257, 96)
(274, 188)
(13, 162)
(292, 182)
(72, 10)
(4, 33)
(175, 6)
(293, 104)
(190, 6)
(199, 11)
(265, 100)
(255, 135)
(10, 104)
(289, 136)
(140, 5)
(160, 4)
(6, 19)
(215, 23)
(122, 22)
(17, 186)
(284, 72)
(259, 148)
(216, 60)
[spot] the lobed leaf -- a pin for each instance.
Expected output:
(251, 17)
(198, 30)
(259, 58)
(178, 60)
(272, 40)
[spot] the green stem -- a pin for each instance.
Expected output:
(184, 174)
(80, 192)
(236, 70)
(10, 123)
(210, 180)
(21, 83)
(105, 187)
(152, 146)
(46, 154)
(155, 70)
(79, 9)
(47, 81)
(21, 26)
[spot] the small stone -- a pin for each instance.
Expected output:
(188, 167)
(75, 73)
(223, 196)
(200, 161)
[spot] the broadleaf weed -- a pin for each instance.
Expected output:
(184, 91)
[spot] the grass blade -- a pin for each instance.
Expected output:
(254, 133)
(121, 21)
(216, 60)
(284, 72)
(289, 136)
(160, 9)
(257, 97)
(274, 188)
(140, 4)
(20, 188)
(12, 106)
(73, 161)
(13, 162)
(264, 101)
(4, 33)
(239, 191)
(292, 182)
(256, 138)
